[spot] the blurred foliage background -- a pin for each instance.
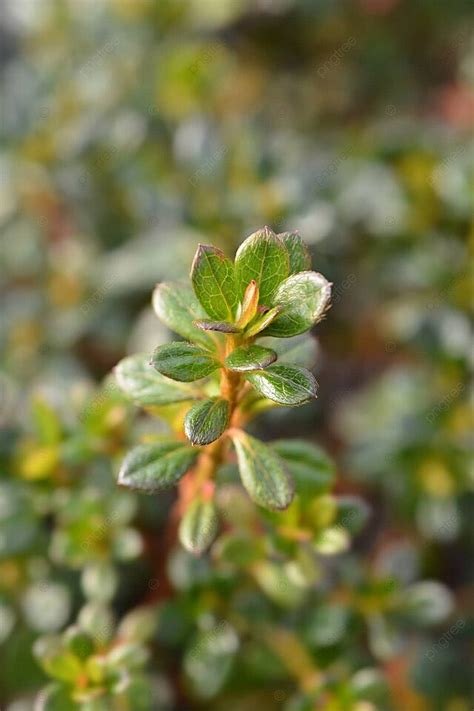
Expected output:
(131, 130)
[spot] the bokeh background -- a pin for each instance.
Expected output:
(131, 130)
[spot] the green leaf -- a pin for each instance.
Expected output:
(264, 258)
(208, 662)
(300, 350)
(176, 305)
(213, 279)
(261, 322)
(151, 467)
(303, 298)
(55, 697)
(199, 526)
(311, 468)
(56, 660)
(220, 326)
(184, 361)
(206, 421)
(300, 258)
(262, 472)
(285, 384)
(332, 541)
(250, 358)
(142, 384)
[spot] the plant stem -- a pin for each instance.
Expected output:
(212, 456)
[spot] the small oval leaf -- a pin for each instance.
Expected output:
(199, 526)
(303, 299)
(250, 358)
(184, 361)
(300, 258)
(213, 279)
(285, 384)
(142, 384)
(151, 467)
(263, 473)
(263, 258)
(206, 421)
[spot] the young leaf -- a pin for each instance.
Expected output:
(221, 326)
(300, 350)
(300, 258)
(249, 304)
(303, 298)
(285, 384)
(137, 378)
(263, 258)
(176, 305)
(199, 526)
(311, 468)
(151, 467)
(183, 361)
(206, 421)
(213, 279)
(250, 358)
(263, 473)
(262, 322)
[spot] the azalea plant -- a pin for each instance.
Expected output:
(231, 367)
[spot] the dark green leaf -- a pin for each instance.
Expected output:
(250, 358)
(142, 384)
(206, 421)
(151, 467)
(213, 279)
(303, 298)
(220, 326)
(264, 258)
(199, 526)
(184, 361)
(300, 258)
(176, 305)
(262, 321)
(300, 350)
(285, 384)
(262, 472)
(311, 468)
